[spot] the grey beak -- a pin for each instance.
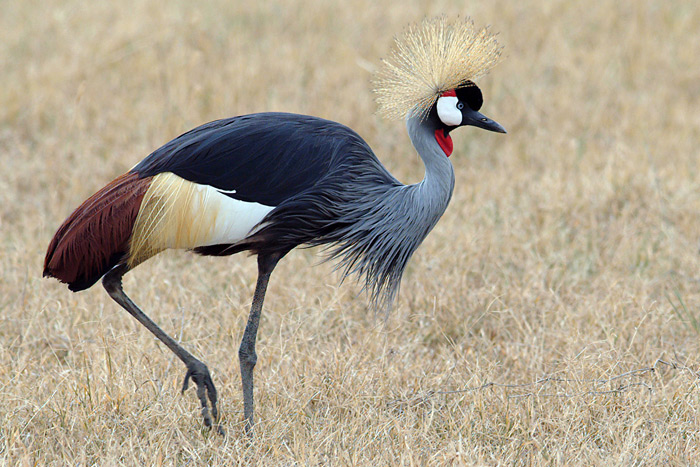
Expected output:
(477, 119)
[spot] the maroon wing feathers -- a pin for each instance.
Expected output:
(95, 237)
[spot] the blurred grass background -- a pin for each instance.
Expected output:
(530, 323)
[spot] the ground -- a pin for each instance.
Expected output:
(552, 317)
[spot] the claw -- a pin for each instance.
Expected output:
(186, 383)
(199, 373)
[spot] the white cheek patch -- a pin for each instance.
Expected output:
(448, 112)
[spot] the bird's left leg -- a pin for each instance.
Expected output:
(196, 370)
(246, 353)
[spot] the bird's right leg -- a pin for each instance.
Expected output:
(196, 370)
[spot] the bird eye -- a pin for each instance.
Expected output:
(460, 106)
(484, 119)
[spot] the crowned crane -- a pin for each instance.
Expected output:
(269, 182)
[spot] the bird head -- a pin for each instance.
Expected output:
(431, 70)
(460, 107)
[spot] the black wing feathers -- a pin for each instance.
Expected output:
(321, 177)
(266, 158)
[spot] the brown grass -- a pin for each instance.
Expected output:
(530, 324)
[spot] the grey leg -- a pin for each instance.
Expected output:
(246, 353)
(196, 370)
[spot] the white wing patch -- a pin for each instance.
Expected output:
(230, 192)
(235, 219)
(176, 213)
(448, 112)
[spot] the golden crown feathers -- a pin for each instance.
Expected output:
(430, 58)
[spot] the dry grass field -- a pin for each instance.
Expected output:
(551, 318)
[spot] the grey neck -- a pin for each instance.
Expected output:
(382, 227)
(438, 184)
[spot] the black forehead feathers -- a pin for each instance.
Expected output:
(470, 93)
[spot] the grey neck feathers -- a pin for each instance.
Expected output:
(387, 223)
(438, 184)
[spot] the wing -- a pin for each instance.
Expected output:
(264, 158)
(209, 188)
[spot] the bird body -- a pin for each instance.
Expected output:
(267, 183)
(223, 188)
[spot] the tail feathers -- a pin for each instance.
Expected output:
(96, 236)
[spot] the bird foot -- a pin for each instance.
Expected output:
(206, 392)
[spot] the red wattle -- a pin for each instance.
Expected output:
(445, 141)
(451, 93)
